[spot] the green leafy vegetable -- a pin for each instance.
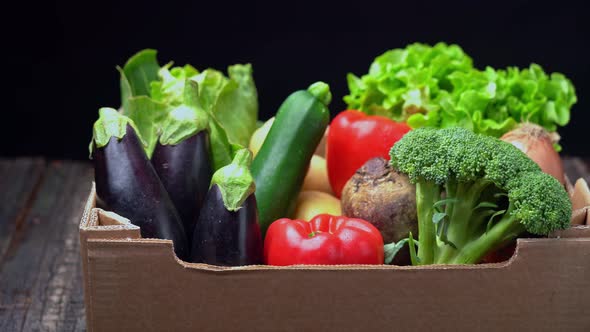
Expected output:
(233, 101)
(141, 69)
(437, 86)
(147, 115)
(211, 84)
(170, 88)
(237, 105)
(136, 77)
(221, 148)
(156, 97)
(232, 104)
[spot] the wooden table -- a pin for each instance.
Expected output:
(40, 271)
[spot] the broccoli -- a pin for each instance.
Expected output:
(475, 193)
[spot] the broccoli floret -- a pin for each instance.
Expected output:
(539, 202)
(475, 193)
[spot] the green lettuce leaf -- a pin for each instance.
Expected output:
(437, 86)
(148, 115)
(231, 102)
(155, 97)
(138, 73)
(199, 97)
(211, 83)
(169, 88)
(402, 82)
(182, 90)
(237, 105)
(221, 148)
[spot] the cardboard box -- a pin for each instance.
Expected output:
(135, 284)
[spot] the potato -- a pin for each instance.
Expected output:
(317, 176)
(382, 196)
(312, 203)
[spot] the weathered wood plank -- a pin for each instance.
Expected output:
(41, 286)
(19, 181)
(576, 168)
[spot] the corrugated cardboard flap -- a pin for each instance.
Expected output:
(139, 285)
(527, 250)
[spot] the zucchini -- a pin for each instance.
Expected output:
(280, 166)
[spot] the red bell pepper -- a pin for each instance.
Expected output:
(325, 239)
(354, 138)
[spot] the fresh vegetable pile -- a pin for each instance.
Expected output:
(164, 160)
(414, 172)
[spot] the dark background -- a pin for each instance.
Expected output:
(61, 56)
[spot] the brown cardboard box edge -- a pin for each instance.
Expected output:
(136, 284)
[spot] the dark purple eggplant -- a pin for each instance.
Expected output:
(223, 237)
(185, 172)
(227, 231)
(127, 184)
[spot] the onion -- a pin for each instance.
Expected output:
(537, 143)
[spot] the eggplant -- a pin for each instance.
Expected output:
(127, 184)
(229, 238)
(227, 232)
(185, 172)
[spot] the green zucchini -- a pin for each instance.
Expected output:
(280, 166)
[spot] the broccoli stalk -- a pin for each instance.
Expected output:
(475, 193)
(465, 213)
(427, 194)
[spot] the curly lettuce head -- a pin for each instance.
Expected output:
(437, 86)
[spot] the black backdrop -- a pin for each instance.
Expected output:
(62, 56)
